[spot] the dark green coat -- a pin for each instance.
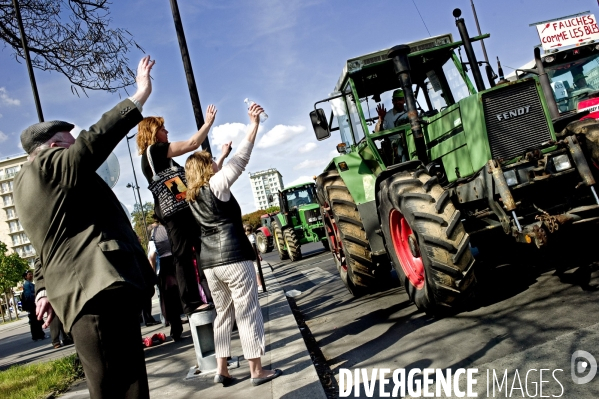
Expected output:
(76, 224)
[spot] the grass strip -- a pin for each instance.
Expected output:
(35, 381)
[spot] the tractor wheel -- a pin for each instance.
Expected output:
(279, 240)
(588, 131)
(293, 245)
(426, 240)
(263, 243)
(346, 234)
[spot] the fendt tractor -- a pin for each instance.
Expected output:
(480, 161)
(299, 221)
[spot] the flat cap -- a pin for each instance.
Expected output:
(41, 132)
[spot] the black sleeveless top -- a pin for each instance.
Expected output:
(223, 238)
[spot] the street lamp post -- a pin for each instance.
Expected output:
(136, 186)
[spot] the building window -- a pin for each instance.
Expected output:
(10, 213)
(13, 226)
(7, 199)
(15, 239)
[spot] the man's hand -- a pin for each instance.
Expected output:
(226, 149)
(143, 79)
(43, 307)
(210, 114)
(381, 110)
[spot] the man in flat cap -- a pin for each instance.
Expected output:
(90, 260)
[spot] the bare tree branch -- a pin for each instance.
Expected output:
(71, 37)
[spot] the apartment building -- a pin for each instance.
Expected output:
(11, 231)
(265, 183)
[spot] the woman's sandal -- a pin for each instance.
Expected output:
(260, 381)
(222, 379)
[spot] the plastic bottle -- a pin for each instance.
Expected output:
(263, 116)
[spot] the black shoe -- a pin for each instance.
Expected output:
(260, 381)
(67, 342)
(221, 379)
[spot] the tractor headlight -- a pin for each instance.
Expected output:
(510, 177)
(561, 162)
(312, 220)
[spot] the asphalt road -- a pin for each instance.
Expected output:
(526, 315)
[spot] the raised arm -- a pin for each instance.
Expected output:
(183, 147)
(225, 151)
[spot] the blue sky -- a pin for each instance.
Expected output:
(284, 54)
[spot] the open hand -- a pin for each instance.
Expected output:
(254, 113)
(210, 114)
(143, 79)
(381, 110)
(43, 307)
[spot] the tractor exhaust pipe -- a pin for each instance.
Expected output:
(401, 64)
(546, 86)
(478, 78)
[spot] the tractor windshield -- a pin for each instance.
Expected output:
(300, 196)
(574, 81)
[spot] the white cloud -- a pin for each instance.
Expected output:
(316, 164)
(307, 147)
(222, 134)
(6, 100)
(299, 180)
(279, 135)
(76, 130)
(3, 137)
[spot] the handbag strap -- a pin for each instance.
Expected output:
(149, 155)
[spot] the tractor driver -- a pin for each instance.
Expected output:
(397, 116)
(394, 150)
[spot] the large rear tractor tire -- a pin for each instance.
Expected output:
(293, 245)
(263, 243)
(279, 240)
(346, 234)
(426, 240)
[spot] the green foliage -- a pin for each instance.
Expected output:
(138, 224)
(12, 268)
(253, 219)
(38, 380)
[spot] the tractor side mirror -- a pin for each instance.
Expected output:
(319, 124)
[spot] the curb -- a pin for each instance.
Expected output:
(288, 350)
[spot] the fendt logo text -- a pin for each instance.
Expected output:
(513, 113)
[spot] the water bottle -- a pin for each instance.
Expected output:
(263, 116)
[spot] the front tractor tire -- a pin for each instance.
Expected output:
(346, 234)
(426, 240)
(263, 243)
(294, 249)
(279, 240)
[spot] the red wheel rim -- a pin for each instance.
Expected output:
(336, 246)
(400, 234)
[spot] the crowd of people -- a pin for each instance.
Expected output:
(91, 263)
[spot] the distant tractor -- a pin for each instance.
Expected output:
(299, 221)
(264, 237)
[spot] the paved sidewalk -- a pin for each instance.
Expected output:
(168, 364)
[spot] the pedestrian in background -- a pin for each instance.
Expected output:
(28, 303)
(252, 237)
(226, 255)
(93, 271)
(161, 258)
(57, 332)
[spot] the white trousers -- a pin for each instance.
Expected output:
(235, 297)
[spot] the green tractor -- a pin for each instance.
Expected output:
(299, 221)
(426, 195)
